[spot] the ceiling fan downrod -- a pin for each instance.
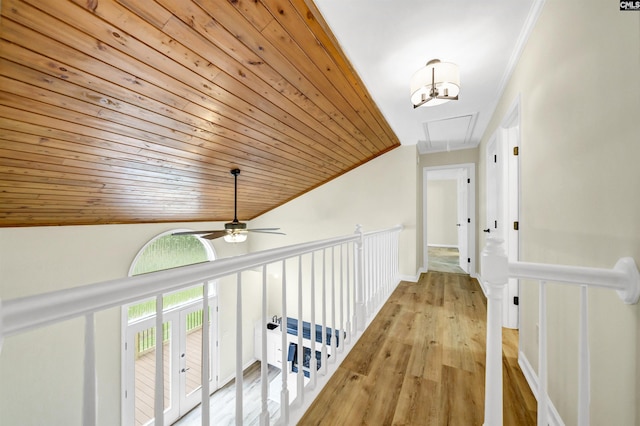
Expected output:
(235, 173)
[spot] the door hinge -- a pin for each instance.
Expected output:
(495, 158)
(468, 260)
(468, 180)
(516, 300)
(515, 150)
(516, 225)
(126, 395)
(495, 224)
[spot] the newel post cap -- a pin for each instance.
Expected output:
(494, 262)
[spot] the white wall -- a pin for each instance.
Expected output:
(378, 194)
(580, 97)
(442, 212)
(41, 371)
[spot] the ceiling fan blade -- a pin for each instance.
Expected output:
(266, 231)
(215, 234)
(193, 232)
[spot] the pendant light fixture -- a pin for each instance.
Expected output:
(436, 83)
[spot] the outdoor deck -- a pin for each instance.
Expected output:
(145, 376)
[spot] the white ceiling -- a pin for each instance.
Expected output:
(388, 40)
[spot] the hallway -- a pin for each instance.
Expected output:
(421, 362)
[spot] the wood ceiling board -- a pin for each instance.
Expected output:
(135, 111)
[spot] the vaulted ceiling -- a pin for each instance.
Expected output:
(134, 111)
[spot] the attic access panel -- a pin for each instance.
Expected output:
(447, 134)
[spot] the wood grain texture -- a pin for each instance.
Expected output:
(131, 111)
(421, 362)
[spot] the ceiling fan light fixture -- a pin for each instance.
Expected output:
(435, 84)
(234, 231)
(235, 237)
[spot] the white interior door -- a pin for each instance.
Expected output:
(494, 203)
(503, 207)
(463, 220)
(511, 213)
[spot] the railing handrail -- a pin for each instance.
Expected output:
(624, 278)
(26, 313)
(614, 279)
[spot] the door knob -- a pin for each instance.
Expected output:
(487, 230)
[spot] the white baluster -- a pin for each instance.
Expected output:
(205, 360)
(284, 394)
(159, 390)
(495, 272)
(264, 380)
(341, 326)
(239, 378)
(349, 287)
(543, 406)
(313, 364)
(89, 412)
(333, 306)
(584, 379)
(359, 284)
(323, 355)
(300, 351)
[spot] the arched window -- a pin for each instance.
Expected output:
(167, 251)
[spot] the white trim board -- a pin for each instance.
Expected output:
(532, 379)
(471, 209)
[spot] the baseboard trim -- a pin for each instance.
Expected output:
(232, 377)
(532, 379)
(413, 279)
(483, 286)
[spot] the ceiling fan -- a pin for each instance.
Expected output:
(234, 231)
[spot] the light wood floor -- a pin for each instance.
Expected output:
(421, 362)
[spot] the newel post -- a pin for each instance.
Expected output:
(495, 272)
(359, 297)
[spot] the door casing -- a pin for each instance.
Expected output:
(463, 171)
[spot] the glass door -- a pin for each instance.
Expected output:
(191, 357)
(141, 366)
(182, 355)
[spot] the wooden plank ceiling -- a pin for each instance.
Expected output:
(134, 111)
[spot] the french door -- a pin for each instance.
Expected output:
(182, 349)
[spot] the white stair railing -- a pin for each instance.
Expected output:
(624, 278)
(356, 290)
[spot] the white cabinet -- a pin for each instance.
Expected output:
(274, 345)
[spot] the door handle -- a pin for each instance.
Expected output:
(457, 224)
(184, 370)
(487, 230)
